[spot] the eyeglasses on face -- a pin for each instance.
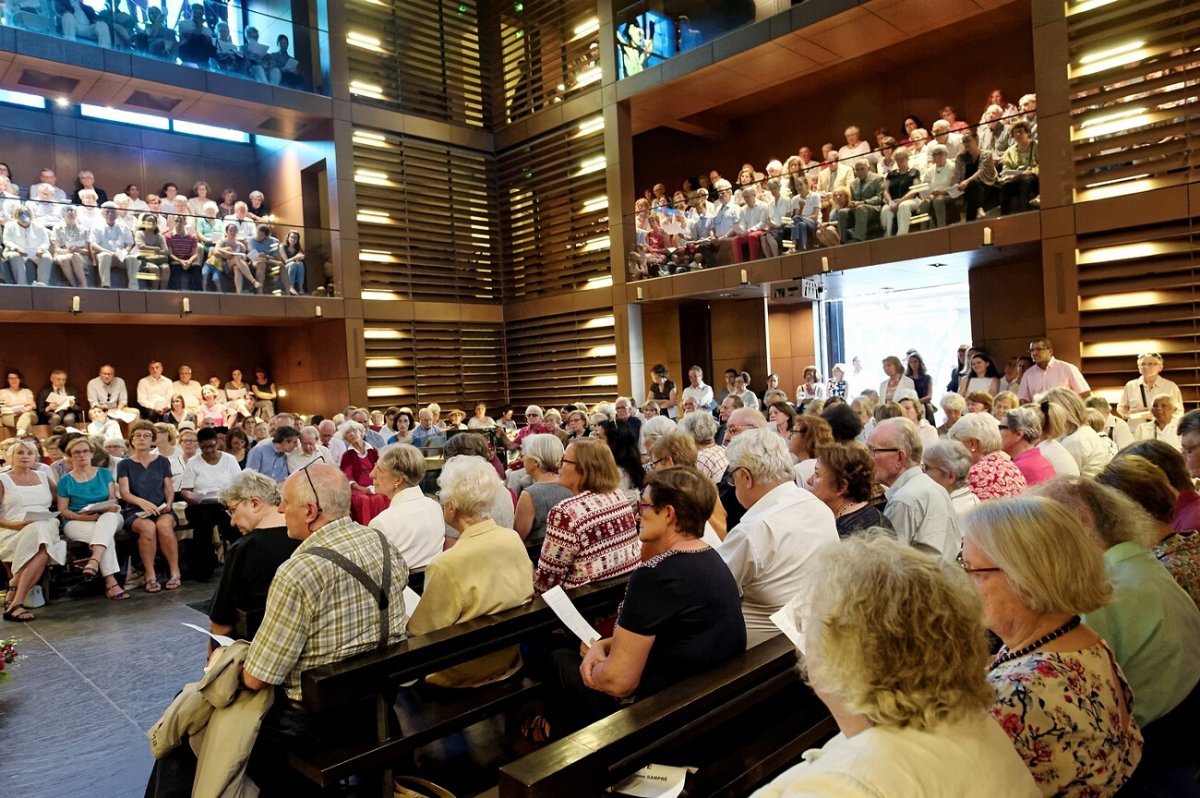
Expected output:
(731, 477)
(972, 571)
(563, 460)
(876, 451)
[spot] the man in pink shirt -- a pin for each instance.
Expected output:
(1047, 372)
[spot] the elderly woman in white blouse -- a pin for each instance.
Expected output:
(27, 545)
(69, 240)
(948, 463)
(412, 522)
(1078, 437)
(18, 408)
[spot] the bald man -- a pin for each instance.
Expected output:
(740, 420)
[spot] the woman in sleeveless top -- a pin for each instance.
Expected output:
(26, 547)
(540, 454)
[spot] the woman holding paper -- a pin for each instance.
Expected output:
(146, 491)
(681, 616)
(82, 487)
(26, 546)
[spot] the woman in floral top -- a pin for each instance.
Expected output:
(993, 474)
(1060, 694)
(1145, 483)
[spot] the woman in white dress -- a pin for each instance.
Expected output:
(1054, 425)
(1077, 436)
(26, 546)
(983, 376)
(237, 396)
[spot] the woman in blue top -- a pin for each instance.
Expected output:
(83, 485)
(144, 480)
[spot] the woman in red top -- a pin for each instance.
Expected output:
(357, 463)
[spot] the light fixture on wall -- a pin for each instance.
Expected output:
(639, 293)
(75, 305)
(317, 311)
(987, 236)
(745, 277)
(824, 263)
(185, 307)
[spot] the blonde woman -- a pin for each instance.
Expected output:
(27, 545)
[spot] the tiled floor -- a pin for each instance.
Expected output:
(96, 676)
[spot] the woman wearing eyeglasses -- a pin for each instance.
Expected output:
(84, 485)
(594, 534)
(1060, 694)
(1138, 396)
(146, 492)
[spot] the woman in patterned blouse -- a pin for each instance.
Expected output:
(594, 534)
(1060, 694)
(1146, 484)
(993, 474)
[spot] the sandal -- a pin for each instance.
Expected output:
(91, 570)
(18, 614)
(9, 595)
(153, 586)
(116, 592)
(536, 729)
(173, 583)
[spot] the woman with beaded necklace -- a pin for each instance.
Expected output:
(1060, 694)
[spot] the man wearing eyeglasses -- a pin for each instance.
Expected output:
(920, 509)
(769, 551)
(107, 390)
(341, 593)
(1138, 398)
(1048, 372)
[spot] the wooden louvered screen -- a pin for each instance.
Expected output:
(419, 57)
(561, 359)
(426, 221)
(554, 212)
(1134, 81)
(453, 364)
(1138, 293)
(549, 52)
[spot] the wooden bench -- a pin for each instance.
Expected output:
(741, 722)
(375, 676)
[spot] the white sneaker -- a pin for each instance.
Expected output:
(39, 283)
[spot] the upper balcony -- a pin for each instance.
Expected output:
(246, 65)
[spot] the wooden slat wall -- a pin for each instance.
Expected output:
(454, 364)
(430, 63)
(554, 360)
(439, 239)
(1138, 293)
(1145, 111)
(554, 212)
(549, 52)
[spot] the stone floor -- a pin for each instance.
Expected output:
(96, 676)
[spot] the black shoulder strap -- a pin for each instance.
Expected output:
(1145, 401)
(379, 590)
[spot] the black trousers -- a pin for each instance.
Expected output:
(202, 518)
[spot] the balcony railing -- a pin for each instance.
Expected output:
(231, 39)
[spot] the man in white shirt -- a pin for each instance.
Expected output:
(1139, 394)
(951, 141)
(939, 176)
(107, 390)
(327, 433)
(48, 177)
(1048, 372)
(188, 388)
(154, 392)
(697, 391)
(854, 150)
(309, 451)
(919, 508)
(112, 245)
(770, 550)
(26, 245)
(247, 227)
(833, 175)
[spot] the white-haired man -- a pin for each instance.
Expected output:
(770, 550)
(919, 509)
(428, 436)
(327, 435)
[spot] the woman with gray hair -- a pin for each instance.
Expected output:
(992, 474)
(1152, 625)
(412, 522)
(540, 454)
(710, 456)
(358, 463)
(1078, 438)
(252, 500)
(1020, 430)
(1060, 694)
(953, 405)
(651, 431)
(900, 663)
(948, 463)
(485, 572)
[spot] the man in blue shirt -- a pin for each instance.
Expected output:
(265, 254)
(270, 457)
(428, 437)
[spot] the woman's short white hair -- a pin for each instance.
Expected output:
(981, 427)
(936, 148)
(606, 409)
(701, 426)
(210, 205)
(951, 456)
(546, 449)
(1073, 407)
(349, 425)
(652, 430)
(1031, 538)
(898, 636)
(1025, 421)
(470, 483)
(534, 410)
(762, 452)
(22, 443)
(252, 485)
